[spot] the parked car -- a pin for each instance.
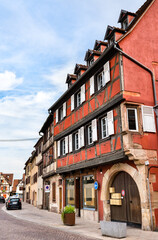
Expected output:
(2, 199)
(13, 203)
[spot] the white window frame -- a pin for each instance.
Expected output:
(90, 134)
(63, 146)
(76, 141)
(136, 119)
(78, 98)
(100, 80)
(102, 131)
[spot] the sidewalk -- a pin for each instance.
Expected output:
(86, 228)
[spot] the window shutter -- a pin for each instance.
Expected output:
(148, 119)
(72, 102)
(83, 93)
(70, 143)
(81, 136)
(58, 148)
(64, 109)
(66, 144)
(110, 120)
(55, 150)
(91, 85)
(57, 114)
(107, 72)
(94, 130)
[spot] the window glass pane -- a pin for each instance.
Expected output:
(90, 134)
(78, 99)
(76, 141)
(88, 192)
(132, 119)
(104, 127)
(100, 81)
(70, 193)
(63, 146)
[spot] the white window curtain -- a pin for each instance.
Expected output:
(83, 93)
(70, 143)
(110, 120)
(148, 119)
(81, 136)
(66, 144)
(57, 115)
(91, 85)
(94, 130)
(106, 72)
(64, 109)
(72, 102)
(58, 145)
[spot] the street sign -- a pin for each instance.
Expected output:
(47, 188)
(96, 185)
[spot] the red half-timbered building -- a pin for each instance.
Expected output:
(105, 125)
(100, 140)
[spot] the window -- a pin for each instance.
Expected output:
(70, 192)
(76, 140)
(100, 80)
(104, 127)
(89, 133)
(132, 119)
(88, 192)
(78, 99)
(63, 152)
(61, 113)
(125, 24)
(54, 192)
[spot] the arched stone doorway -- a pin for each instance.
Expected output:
(130, 209)
(138, 176)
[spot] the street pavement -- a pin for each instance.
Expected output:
(83, 228)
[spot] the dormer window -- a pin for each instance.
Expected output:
(111, 40)
(125, 24)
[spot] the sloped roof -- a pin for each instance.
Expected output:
(91, 53)
(123, 15)
(15, 184)
(78, 67)
(98, 43)
(8, 177)
(110, 31)
(71, 77)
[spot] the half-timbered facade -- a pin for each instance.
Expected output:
(6, 184)
(105, 130)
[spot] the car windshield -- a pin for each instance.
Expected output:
(14, 199)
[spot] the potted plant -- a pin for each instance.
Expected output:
(68, 215)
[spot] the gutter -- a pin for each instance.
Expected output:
(149, 71)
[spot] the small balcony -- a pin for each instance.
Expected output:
(49, 169)
(48, 143)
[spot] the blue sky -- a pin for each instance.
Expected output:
(40, 42)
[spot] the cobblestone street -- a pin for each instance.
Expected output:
(13, 228)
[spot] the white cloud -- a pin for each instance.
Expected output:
(57, 76)
(9, 81)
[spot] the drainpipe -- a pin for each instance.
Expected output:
(150, 195)
(149, 71)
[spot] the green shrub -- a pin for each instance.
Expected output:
(67, 209)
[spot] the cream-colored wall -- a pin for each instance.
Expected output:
(34, 186)
(39, 192)
(52, 205)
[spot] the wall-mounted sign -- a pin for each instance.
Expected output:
(96, 185)
(123, 192)
(47, 188)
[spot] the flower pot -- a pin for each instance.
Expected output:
(69, 219)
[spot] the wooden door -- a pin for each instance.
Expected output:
(130, 210)
(60, 199)
(77, 196)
